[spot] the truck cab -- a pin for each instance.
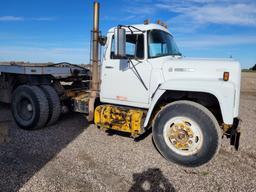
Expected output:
(180, 98)
(154, 66)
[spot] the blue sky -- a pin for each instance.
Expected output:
(59, 30)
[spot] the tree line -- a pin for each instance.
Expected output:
(253, 68)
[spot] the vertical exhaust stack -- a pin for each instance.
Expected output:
(95, 48)
(95, 83)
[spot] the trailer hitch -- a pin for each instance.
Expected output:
(233, 133)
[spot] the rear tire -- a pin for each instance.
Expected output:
(54, 104)
(30, 107)
(186, 133)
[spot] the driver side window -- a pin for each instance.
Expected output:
(134, 46)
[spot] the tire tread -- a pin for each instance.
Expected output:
(204, 113)
(54, 104)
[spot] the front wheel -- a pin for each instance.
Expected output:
(186, 133)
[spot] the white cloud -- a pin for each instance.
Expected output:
(187, 16)
(199, 12)
(37, 54)
(43, 18)
(210, 41)
(16, 18)
(11, 18)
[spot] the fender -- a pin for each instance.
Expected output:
(222, 90)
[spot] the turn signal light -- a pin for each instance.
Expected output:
(226, 76)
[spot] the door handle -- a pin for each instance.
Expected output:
(109, 67)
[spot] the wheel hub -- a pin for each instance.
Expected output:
(179, 135)
(29, 107)
(25, 109)
(182, 135)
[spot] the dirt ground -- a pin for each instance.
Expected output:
(73, 156)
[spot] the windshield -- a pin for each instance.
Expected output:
(161, 44)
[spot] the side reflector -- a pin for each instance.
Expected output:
(226, 76)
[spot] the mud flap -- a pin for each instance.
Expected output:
(234, 134)
(4, 132)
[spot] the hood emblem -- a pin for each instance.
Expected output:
(170, 69)
(184, 70)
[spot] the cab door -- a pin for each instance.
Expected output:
(127, 81)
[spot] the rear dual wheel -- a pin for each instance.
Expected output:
(54, 104)
(34, 107)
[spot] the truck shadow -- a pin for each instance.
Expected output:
(151, 180)
(28, 151)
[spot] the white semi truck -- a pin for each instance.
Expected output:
(145, 83)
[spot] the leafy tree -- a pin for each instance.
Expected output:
(253, 68)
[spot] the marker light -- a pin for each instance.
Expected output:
(146, 22)
(226, 76)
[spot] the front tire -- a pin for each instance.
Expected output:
(186, 133)
(30, 107)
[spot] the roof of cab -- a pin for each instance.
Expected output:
(144, 28)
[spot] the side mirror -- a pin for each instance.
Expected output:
(120, 42)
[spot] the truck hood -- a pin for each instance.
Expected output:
(198, 68)
(175, 69)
